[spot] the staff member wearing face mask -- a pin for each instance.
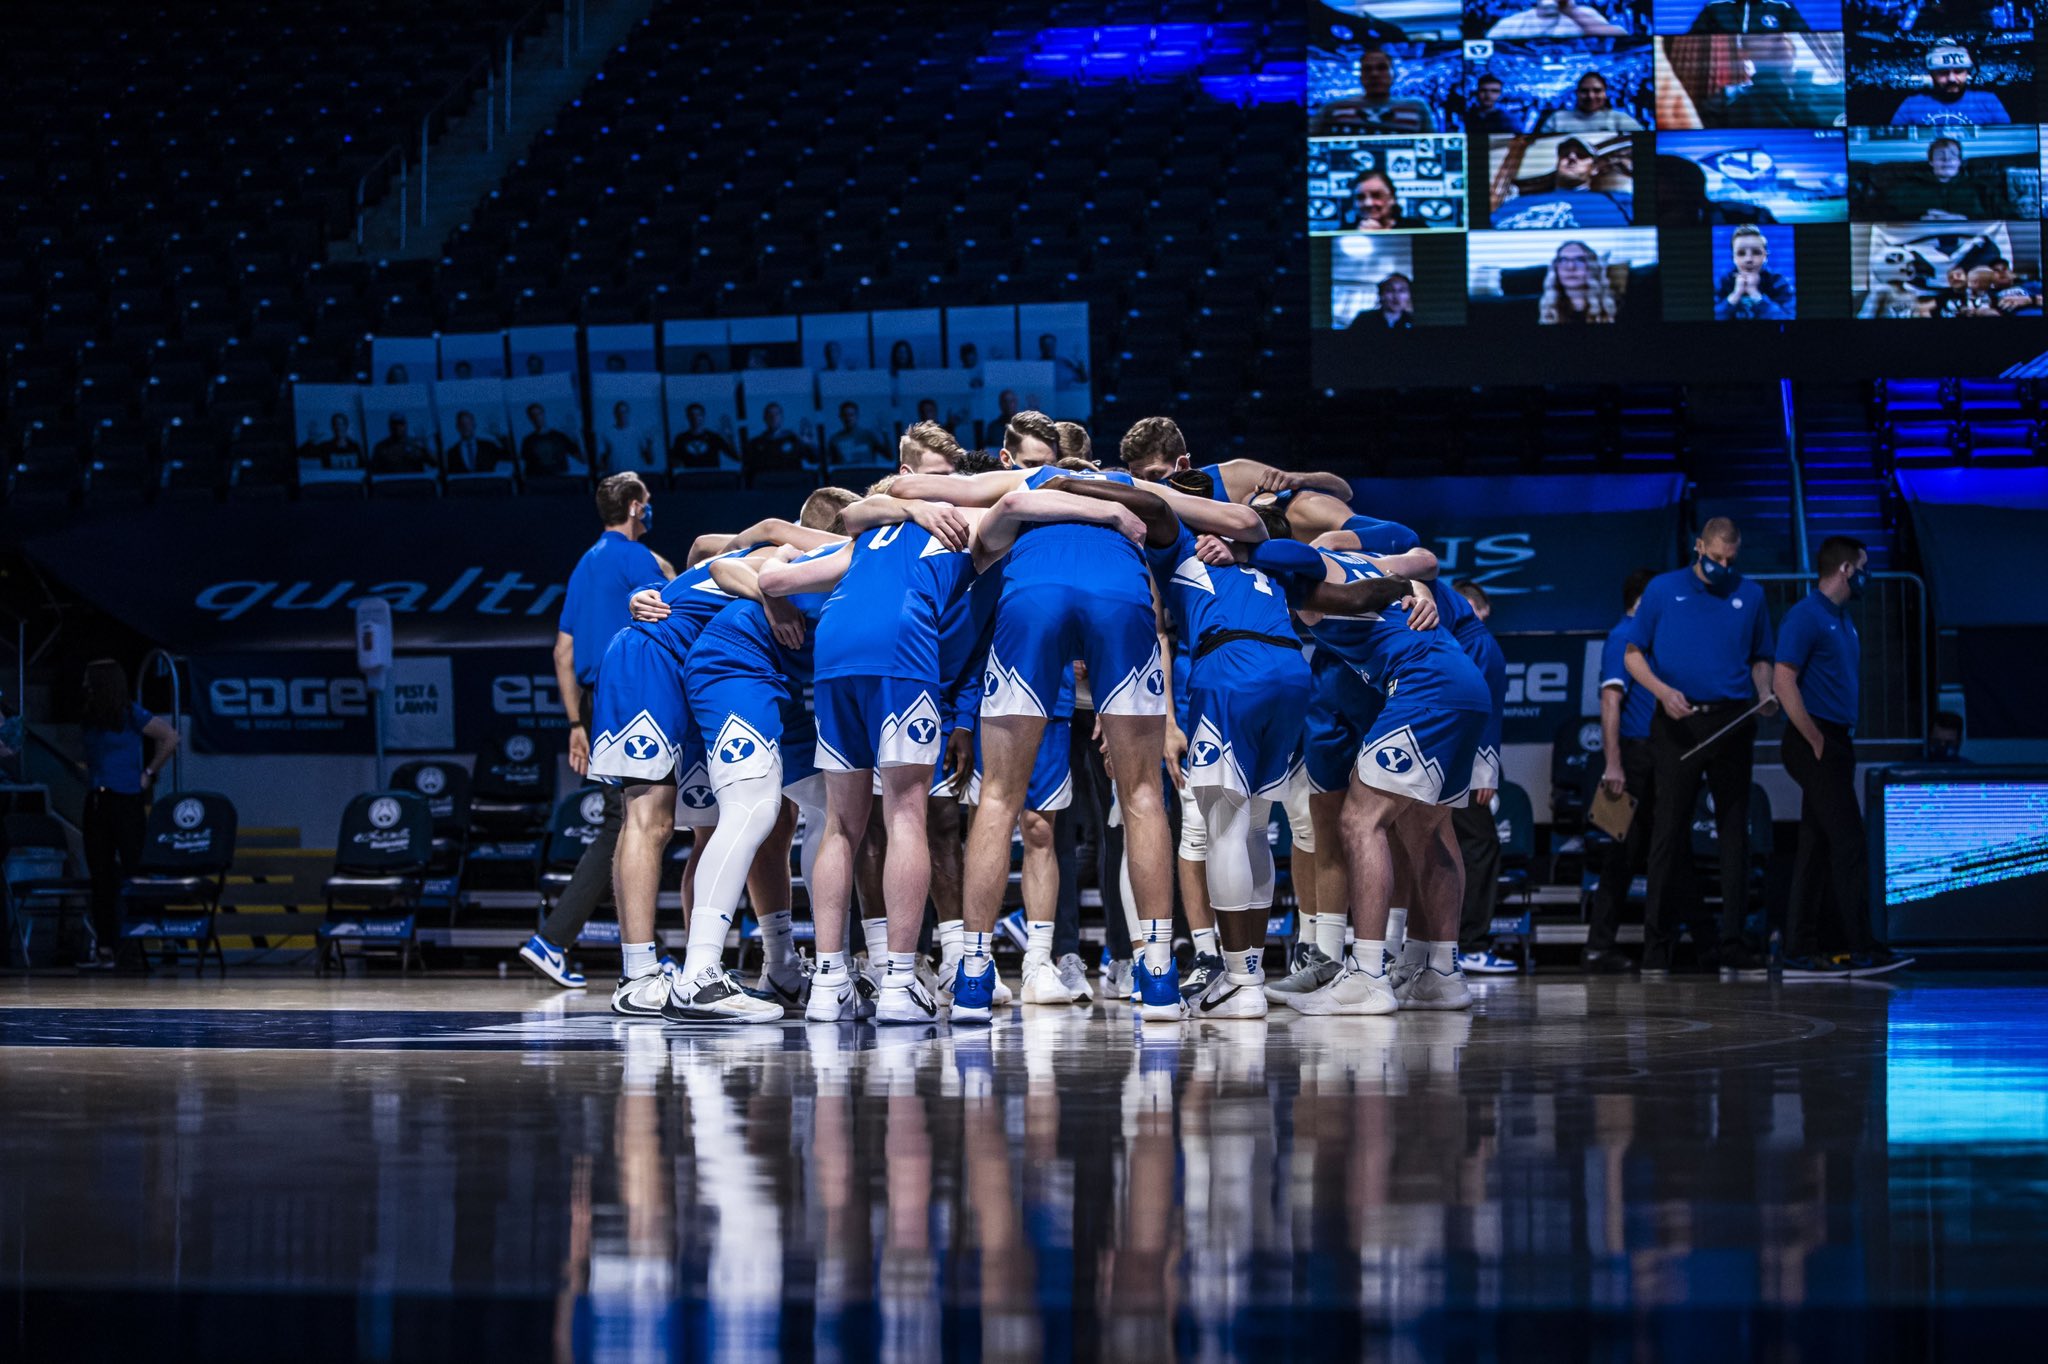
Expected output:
(1701, 644)
(1819, 653)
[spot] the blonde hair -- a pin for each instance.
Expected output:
(928, 437)
(1601, 303)
(822, 509)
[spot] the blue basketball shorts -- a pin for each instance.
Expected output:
(868, 722)
(1052, 782)
(1041, 628)
(640, 719)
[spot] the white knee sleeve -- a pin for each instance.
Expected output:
(1294, 800)
(1260, 846)
(1227, 815)
(747, 810)
(1194, 837)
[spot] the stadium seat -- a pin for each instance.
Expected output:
(444, 785)
(570, 830)
(383, 852)
(187, 848)
(35, 860)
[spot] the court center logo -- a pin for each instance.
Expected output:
(188, 814)
(432, 781)
(1393, 758)
(384, 812)
(591, 808)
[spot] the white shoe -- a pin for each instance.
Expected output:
(1352, 993)
(833, 1000)
(1120, 981)
(1312, 971)
(906, 1003)
(715, 997)
(1486, 964)
(790, 988)
(1429, 988)
(1042, 984)
(643, 996)
(1074, 976)
(1223, 997)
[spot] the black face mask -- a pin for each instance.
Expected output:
(1721, 579)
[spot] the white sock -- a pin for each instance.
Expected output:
(902, 968)
(1397, 930)
(1206, 943)
(1370, 956)
(875, 932)
(831, 963)
(1037, 943)
(949, 939)
(637, 959)
(973, 951)
(1247, 967)
(1329, 930)
(706, 951)
(1157, 935)
(1441, 956)
(778, 938)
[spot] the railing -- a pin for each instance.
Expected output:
(495, 70)
(162, 663)
(1893, 621)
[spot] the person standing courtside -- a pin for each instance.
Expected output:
(1819, 653)
(1626, 708)
(593, 610)
(1701, 644)
(120, 768)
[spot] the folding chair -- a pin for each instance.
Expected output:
(187, 848)
(382, 853)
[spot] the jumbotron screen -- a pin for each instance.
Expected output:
(1688, 188)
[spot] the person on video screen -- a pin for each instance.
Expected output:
(1396, 312)
(2014, 296)
(1749, 16)
(1976, 297)
(1377, 110)
(1773, 98)
(1575, 289)
(1485, 115)
(1751, 291)
(1374, 205)
(1590, 112)
(1557, 191)
(1330, 27)
(1939, 190)
(1951, 103)
(1556, 19)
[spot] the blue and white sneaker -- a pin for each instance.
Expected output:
(1487, 963)
(1158, 994)
(974, 996)
(548, 959)
(1012, 926)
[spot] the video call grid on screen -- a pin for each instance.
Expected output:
(1805, 168)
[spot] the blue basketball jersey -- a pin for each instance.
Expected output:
(738, 636)
(1377, 646)
(1204, 599)
(1217, 492)
(886, 617)
(1070, 554)
(693, 599)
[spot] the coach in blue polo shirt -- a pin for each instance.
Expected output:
(1625, 710)
(593, 610)
(1819, 657)
(1701, 645)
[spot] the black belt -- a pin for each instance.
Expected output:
(1210, 642)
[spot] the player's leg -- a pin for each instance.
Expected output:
(907, 879)
(769, 895)
(1191, 870)
(1301, 860)
(648, 821)
(1135, 743)
(1235, 887)
(869, 860)
(1362, 987)
(1041, 891)
(848, 796)
(1009, 745)
(1434, 873)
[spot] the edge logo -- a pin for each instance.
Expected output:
(252, 698)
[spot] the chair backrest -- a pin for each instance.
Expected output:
(1706, 836)
(26, 830)
(573, 826)
(190, 833)
(515, 767)
(444, 785)
(385, 833)
(1576, 758)
(1516, 820)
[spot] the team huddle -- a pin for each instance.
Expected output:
(947, 623)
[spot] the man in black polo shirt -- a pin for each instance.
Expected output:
(696, 446)
(777, 447)
(1701, 644)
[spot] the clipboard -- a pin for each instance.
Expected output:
(1729, 728)
(1610, 814)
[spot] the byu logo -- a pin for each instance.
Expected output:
(639, 747)
(431, 781)
(1155, 682)
(698, 797)
(1393, 759)
(922, 731)
(739, 748)
(383, 812)
(1736, 603)
(990, 682)
(1205, 753)
(591, 808)
(519, 747)
(187, 814)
